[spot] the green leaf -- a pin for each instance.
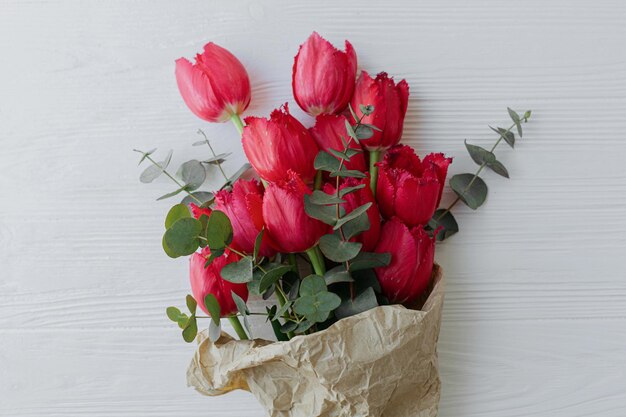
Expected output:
(283, 309)
(337, 274)
(363, 301)
(215, 331)
(339, 155)
(326, 162)
(173, 313)
(364, 132)
(217, 159)
(290, 326)
(144, 155)
(352, 215)
(257, 243)
(304, 326)
(447, 222)
(312, 285)
(272, 276)
(205, 197)
(191, 330)
(151, 173)
(244, 168)
(498, 168)
(527, 114)
(213, 307)
(348, 173)
(507, 135)
(480, 155)
(177, 212)
(219, 231)
(181, 238)
(238, 272)
(173, 193)
(366, 110)
(366, 260)
(348, 190)
(516, 119)
(326, 214)
(472, 192)
(337, 250)
(350, 130)
(242, 308)
(278, 332)
(321, 198)
(193, 174)
(316, 308)
(356, 226)
(191, 304)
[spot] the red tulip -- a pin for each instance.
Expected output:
(355, 199)
(323, 76)
(216, 87)
(389, 100)
(209, 281)
(407, 188)
(288, 225)
(328, 131)
(278, 145)
(197, 211)
(440, 164)
(244, 207)
(412, 256)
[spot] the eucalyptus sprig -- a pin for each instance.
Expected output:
(471, 189)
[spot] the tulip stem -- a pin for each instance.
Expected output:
(234, 321)
(374, 158)
(316, 261)
(237, 122)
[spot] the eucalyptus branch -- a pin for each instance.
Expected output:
(217, 161)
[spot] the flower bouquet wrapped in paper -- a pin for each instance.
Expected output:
(334, 226)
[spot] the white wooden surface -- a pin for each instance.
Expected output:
(535, 318)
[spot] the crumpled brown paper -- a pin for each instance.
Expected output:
(380, 363)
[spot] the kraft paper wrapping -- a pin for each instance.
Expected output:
(380, 363)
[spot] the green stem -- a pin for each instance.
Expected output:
(316, 261)
(217, 162)
(237, 122)
(374, 158)
(292, 261)
(282, 300)
(176, 181)
(234, 321)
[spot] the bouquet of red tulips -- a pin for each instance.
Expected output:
(335, 226)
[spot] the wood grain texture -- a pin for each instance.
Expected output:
(535, 316)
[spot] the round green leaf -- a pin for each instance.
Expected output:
(191, 304)
(191, 330)
(446, 221)
(238, 272)
(219, 231)
(327, 301)
(173, 313)
(312, 285)
(179, 211)
(337, 250)
(213, 307)
(480, 155)
(181, 238)
(472, 192)
(193, 174)
(204, 197)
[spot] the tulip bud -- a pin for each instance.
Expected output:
(407, 188)
(323, 76)
(209, 281)
(216, 87)
(328, 131)
(197, 211)
(288, 225)
(278, 145)
(390, 102)
(440, 164)
(355, 199)
(412, 255)
(244, 207)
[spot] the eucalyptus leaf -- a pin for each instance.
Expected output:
(181, 239)
(335, 249)
(347, 190)
(364, 132)
(337, 274)
(144, 155)
(173, 313)
(289, 326)
(471, 189)
(193, 174)
(283, 309)
(215, 331)
(366, 260)
(151, 173)
(244, 168)
(507, 135)
(219, 231)
(480, 155)
(239, 272)
(272, 276)
(348, 173)
(213, 307)
(350, 131)
(366, 110)
(516, 119)
(356, 226)
(339, 155)
(278, 331)
(173, 193)
(177, 212)
(444, 219)
(321, 198)
(204, 197)
(312, 285)
(191, 304)
(304, 326)
(326, 214)
(191, 330)
(352, 215)
(498, 168)
(217, 159)
(363, 301)
(258, 241)
(326, 162)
